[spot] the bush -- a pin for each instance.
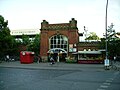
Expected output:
(70, 60)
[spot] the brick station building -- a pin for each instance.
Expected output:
(61, 39)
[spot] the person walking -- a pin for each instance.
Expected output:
(7, 58)
(52, 60)
(114, 59)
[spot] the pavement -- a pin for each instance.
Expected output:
(56, 66)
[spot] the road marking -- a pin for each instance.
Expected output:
(109, 81)
(103, 86)
(106, 83)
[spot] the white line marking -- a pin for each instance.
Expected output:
(106, 83)
(103, 86)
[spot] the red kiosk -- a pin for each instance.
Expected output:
(26, 57)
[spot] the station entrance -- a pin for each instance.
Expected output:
(58, 54)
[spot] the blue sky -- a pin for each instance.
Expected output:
(28, 14)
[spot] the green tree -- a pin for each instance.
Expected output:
(35, 45)
(5, 37)
(113, 42)
(92, 36)
(25, 40)
(8, 44)
(102, 43)
(113, 47)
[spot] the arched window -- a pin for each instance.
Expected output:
(59, 41)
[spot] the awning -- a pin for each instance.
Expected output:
(89, 52)
(57, 50)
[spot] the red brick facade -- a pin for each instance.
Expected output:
(69, 30)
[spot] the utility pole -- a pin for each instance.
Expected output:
(106, 34)
(106, 30)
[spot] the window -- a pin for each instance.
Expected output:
(59, 41)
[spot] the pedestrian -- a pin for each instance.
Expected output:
(52, 60)
(39, 59)
(7, 58)
(114, 58)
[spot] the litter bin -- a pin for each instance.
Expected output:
(26, 57)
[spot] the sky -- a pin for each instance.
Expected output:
(28, 14)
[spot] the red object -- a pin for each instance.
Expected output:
(90, 61)
(26, 57)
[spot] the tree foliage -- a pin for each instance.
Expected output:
(113, 42)
(114, 47)
(92, 36)
(35, 45)
(8, 44)
(25, 39)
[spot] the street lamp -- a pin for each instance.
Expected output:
(106, 46)
(106, 29)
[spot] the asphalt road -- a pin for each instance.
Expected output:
(28, 79)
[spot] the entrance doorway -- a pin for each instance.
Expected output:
(58, 54)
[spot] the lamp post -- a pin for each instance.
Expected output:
(106, 46)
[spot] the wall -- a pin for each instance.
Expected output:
(69, 30)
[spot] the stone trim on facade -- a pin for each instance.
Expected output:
(68, 30)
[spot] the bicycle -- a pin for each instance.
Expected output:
(113, 66)
(37, 59)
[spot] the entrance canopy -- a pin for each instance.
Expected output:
(57, 50)
(88, 52)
